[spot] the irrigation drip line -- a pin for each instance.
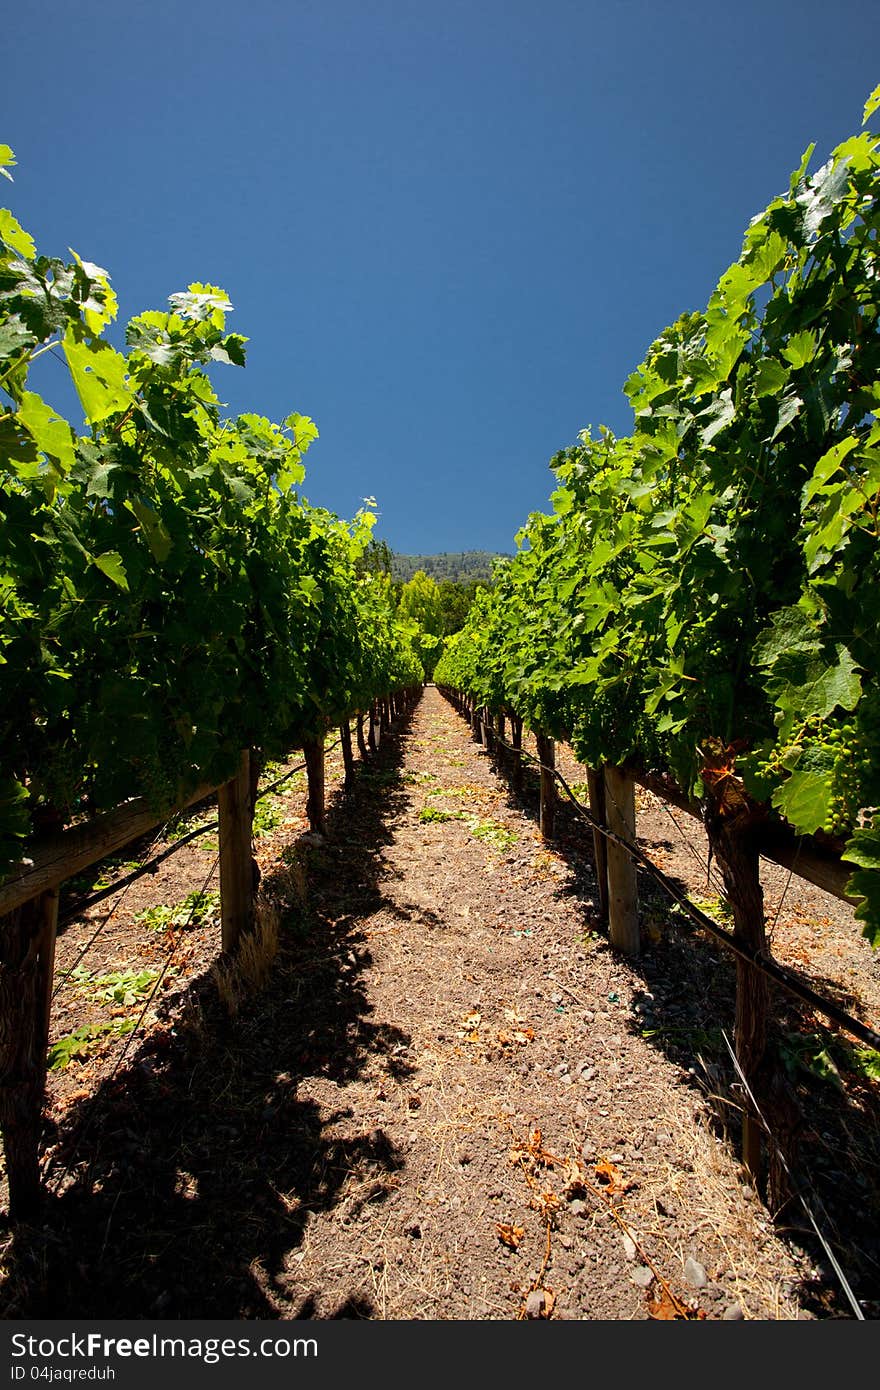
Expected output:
(150, 866)
(844, 1282)
(124, 885)
(758, 959)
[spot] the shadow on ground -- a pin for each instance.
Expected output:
(181, 1188)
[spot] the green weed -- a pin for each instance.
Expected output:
(195, 910)
(83, 1042)
(268, 815)
(825, 1058)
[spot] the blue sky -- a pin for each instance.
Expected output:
(450, 231)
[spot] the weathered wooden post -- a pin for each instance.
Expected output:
(373, 732)
(623, 898)
(347, 755)
(547, 759)
(313, 752)
(516, 775)
(359, 731)
(27, 955)
(731, 824)
(236, 813)
(500, 749)
(488, 730)
(596, 785)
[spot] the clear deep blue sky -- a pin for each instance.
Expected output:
(450, 230)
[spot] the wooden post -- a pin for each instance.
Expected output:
(596, 785)
(236, 808)
(361, 741)
(385, 714)
(477, 725)
(347, 755)
(516, 775)
(547, 759)
(27, 954)
(730, 826)
(500, 749)
(313, 752)
(488, 730)
(373, 733)
(623, 900)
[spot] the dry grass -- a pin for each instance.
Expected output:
(247, 969)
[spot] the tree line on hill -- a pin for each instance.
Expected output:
(428, 595)
(459, 566)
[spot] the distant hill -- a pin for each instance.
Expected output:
(458, 565)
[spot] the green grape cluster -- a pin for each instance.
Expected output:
(851, 767)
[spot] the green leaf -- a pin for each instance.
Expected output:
(156, 535)
(52, 435)
(801, 348)
(871, 105)
(100, 375)
(6, 157)
(15, 236)
(823, 192)
(865, 884)
(864, 849)
(201, 303)
(14, 816)
(718, 416)
(828, 465)
(304, 430)
(110, 563)
(14, 335)
(769, 377)
(789, 407)
(805, 800)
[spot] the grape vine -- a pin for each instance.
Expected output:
(167, 596)
(710, 583)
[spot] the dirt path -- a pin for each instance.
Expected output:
(449, 1101)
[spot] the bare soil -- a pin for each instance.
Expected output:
(429, 1089)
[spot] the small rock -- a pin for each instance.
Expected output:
(732, 1313)
(642, 1276)
(535, 1304)
(577, 1207)
(695, 1274)
(566, 1242)
(587, 1073)
(629, 1247)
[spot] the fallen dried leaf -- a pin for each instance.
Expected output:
(573, 1178)
(667, 1308)
(509, 1235)
(610, 1177)
(548, 1204)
